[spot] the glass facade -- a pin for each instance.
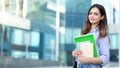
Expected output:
(50, 36)
(114, 49)
(114, 41)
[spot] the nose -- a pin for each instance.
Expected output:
(92, 15)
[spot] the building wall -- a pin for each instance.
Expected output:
(8, 62)
(115, 46)
(40, 41)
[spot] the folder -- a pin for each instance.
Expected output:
(88, 38)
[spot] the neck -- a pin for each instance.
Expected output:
(93, 26)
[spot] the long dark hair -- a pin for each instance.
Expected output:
(102, 24)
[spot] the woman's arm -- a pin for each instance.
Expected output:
(90, 60)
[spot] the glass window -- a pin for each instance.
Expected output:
(51, 55)
(76, 32)
(22, 54)
(62, 39)
(33, 55)
(49, 48)
(49, 41)
(13, 1)
(35, 39)
(47, 56)
(17, 37)
(114, 41)
(18, 54)
(68, 36)
(12, 8)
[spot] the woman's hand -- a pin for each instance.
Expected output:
(79, 54)
(76, 53)
(82, 58)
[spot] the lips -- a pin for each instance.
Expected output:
(92, 19)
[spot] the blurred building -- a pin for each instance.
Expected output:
(39, 41)
(47, 27)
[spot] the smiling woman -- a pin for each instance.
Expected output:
(95, 24)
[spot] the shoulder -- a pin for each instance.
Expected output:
(105, 40)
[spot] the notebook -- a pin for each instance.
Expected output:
(83, 40)
(86, 48)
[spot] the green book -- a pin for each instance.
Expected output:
(86, 38)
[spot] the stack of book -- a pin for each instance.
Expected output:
(86, 44)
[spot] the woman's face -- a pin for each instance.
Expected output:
(94, 16)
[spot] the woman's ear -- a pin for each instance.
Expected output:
(102, 17)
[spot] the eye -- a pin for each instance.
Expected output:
(90, 13)
(96, 13)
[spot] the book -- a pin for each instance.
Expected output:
(86, 39)
(86, 48)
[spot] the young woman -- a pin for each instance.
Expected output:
(95, 24)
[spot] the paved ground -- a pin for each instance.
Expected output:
(71, 67)
(110, 65)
